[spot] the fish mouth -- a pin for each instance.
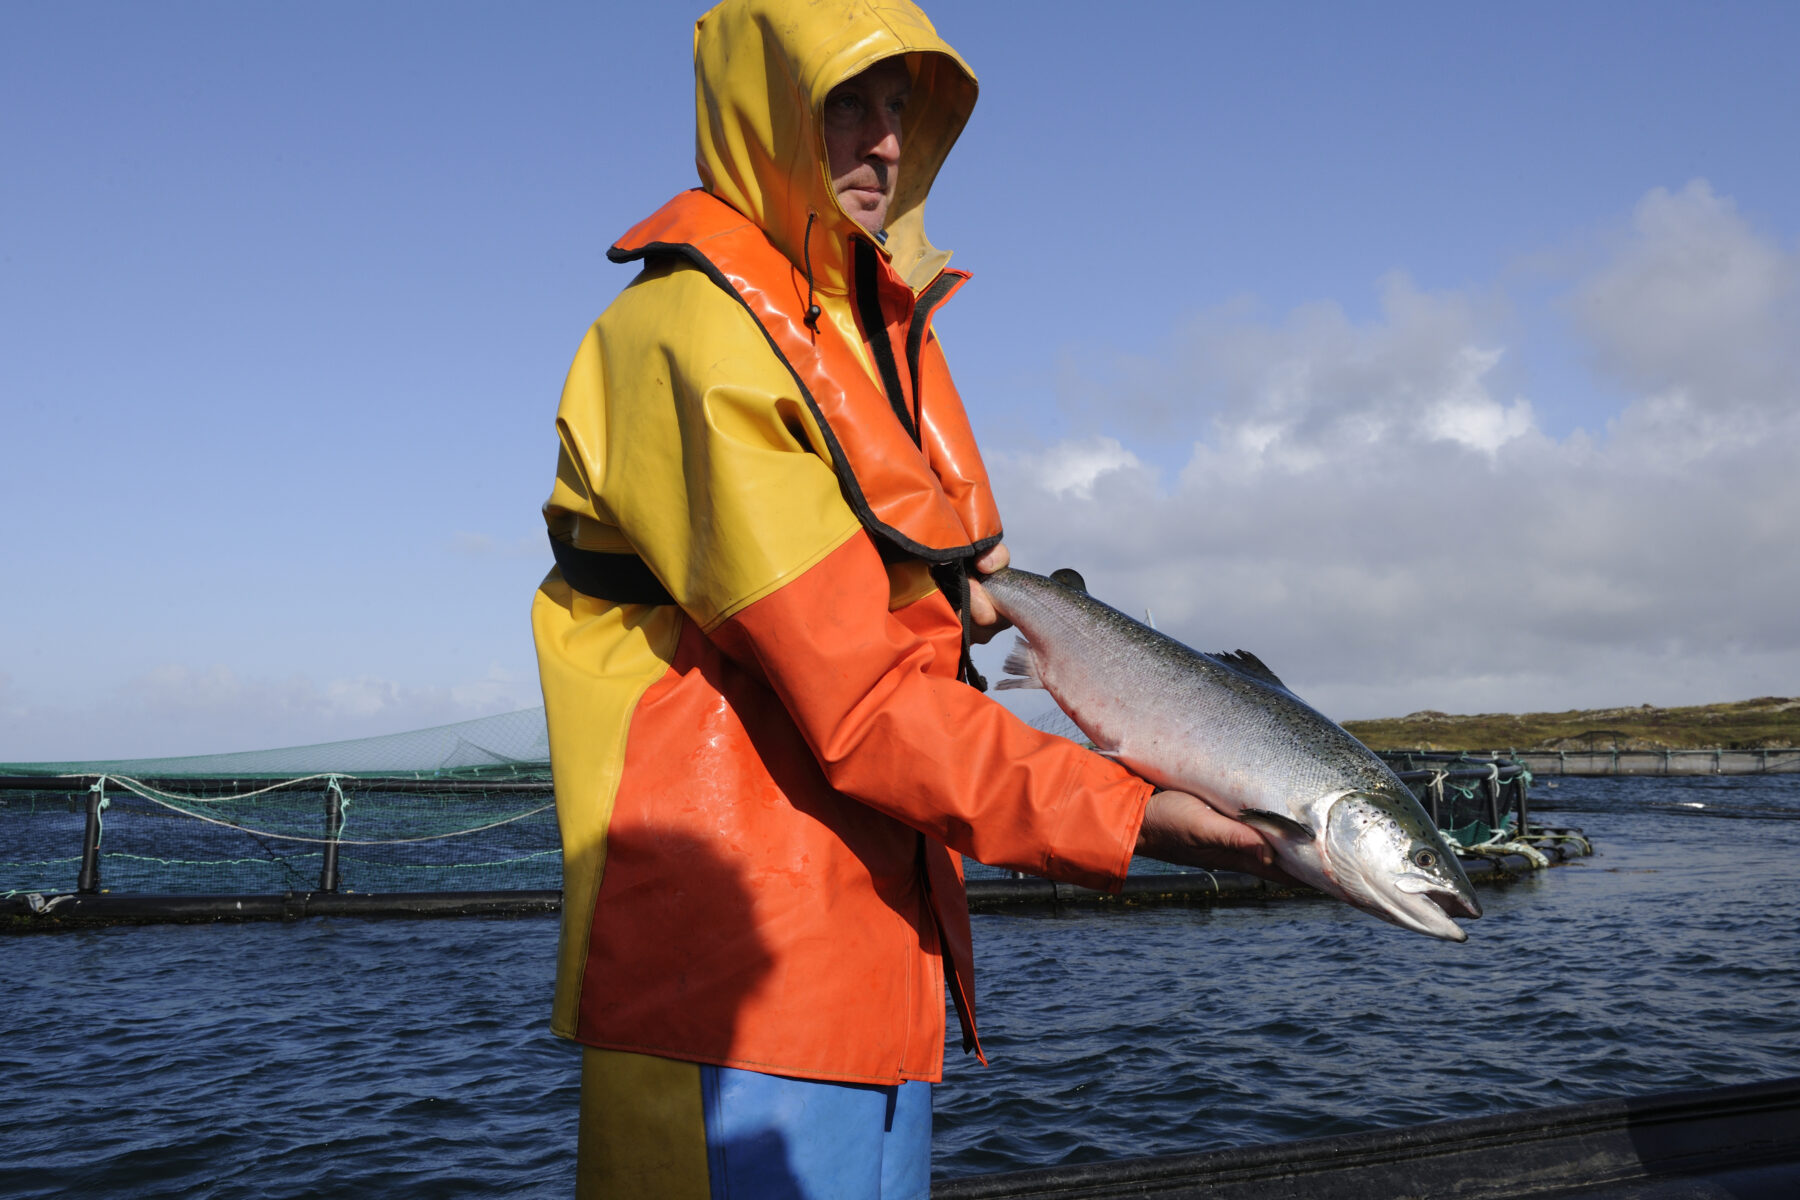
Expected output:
(1431, 921)
(1426, 906)
(1455, 905)
(1454, 901)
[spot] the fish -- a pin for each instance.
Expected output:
(1225, 728)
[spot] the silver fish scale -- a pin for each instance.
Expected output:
(1237, 738)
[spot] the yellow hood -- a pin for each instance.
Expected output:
(762, 69)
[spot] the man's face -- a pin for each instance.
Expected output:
(862, 140)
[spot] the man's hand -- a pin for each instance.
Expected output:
(1183, 829)
(982, 613)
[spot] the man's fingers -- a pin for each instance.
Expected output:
(1184, 829)
(984, 615)
(994, 559)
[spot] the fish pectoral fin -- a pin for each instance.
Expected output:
(1276, 823)
(1247, 663)
(1022, 663)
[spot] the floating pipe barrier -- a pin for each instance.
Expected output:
(1777, 761)
(39, 911)
(1741, 1141)
(1659, 762)
(34, 911)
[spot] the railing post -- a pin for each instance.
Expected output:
(1519, 783)
(87, 882)
(1493, 796)
(334, 826)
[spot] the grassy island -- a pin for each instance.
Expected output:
(1767, 722)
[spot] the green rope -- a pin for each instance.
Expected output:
(47, 862)
(214, 862)
(499, 862)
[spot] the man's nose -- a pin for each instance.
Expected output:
(882, 137)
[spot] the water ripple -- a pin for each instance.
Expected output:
(344, 1057)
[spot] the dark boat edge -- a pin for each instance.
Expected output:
(1741, 1141)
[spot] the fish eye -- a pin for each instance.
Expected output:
(1425, 858)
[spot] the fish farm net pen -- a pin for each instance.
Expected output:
(327, 833)
(457, 819)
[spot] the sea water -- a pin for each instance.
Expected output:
(411, 1057)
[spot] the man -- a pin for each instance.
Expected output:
(767, 510)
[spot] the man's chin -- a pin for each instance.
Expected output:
(865, 208)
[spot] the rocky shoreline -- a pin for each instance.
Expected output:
(1765, 723)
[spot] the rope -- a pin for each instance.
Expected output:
(47, 862)
(208, 862)
(1498, 849)
(812, 309)
(99, 785)
(499, 862)
(143, 789)
(292, 837)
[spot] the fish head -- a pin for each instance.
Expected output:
(1388, 857)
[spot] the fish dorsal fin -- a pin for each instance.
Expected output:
(1070, 578)
(1248, 664)
(1277, 824)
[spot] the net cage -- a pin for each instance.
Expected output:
(456, 809)
(1474, 798)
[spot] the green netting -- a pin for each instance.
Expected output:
(1468, 793)
(486, 745)
(459, 808)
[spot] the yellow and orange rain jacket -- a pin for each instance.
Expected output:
(766, 764)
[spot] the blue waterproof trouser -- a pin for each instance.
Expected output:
(657, 1128)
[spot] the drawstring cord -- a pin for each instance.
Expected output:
(953, 580)
(812, 310)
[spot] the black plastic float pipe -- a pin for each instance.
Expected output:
(334, 825)
(88, 881)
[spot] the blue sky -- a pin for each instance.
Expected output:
(1443, 355)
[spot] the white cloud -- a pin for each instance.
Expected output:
(1697, 303)
(1297, 395)
(1072, 468)
(1366, 508)
(1466, 414)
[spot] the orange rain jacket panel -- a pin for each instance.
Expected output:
(764, 786)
